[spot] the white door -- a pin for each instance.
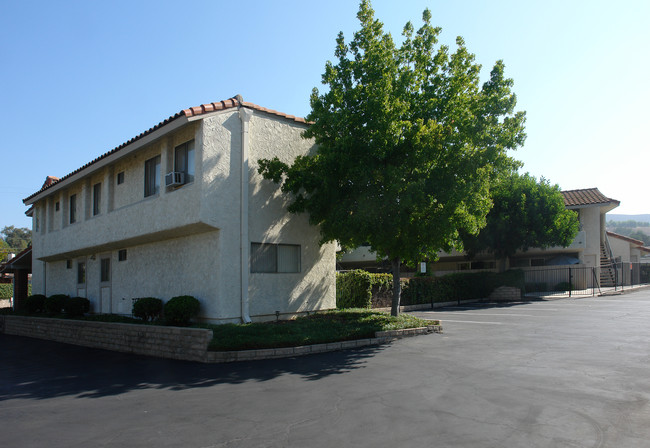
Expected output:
(105, 294)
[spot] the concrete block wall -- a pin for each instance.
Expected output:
(165, 342)
(506, 294)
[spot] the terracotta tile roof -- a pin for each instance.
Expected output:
(8, 266)
(230, 103)
(588, 196)
(625, 238)
(49, 180)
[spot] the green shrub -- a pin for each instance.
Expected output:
(34, 304)
(76, 306)
(180, 310)
(6, 290)
(460, 286)
(147, 308)
(354, 289)
(55, 303)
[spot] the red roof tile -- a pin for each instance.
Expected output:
(191, 112)
(625, 238)
(588, 196)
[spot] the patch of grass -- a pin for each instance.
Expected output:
(320, 328)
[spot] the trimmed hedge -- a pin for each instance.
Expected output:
(180, 310)
(147, 308)
(6, 290)
(34, 304)
(461, 286)
(76, 306)
(54, 304)
(354, 289)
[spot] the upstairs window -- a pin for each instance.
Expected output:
(97, 195)
(73, 209)
(184, 160)
(120, 178)
(152, 176)
(275, 258)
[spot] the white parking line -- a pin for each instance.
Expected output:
(469, 322)
(491, 314)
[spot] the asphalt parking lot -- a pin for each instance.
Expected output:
(562, 373)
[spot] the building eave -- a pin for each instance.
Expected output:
(147, 137)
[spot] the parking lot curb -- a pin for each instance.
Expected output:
(381, 337)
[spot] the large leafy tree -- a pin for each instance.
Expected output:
(526, 213)
(17, 238)
(409, 143)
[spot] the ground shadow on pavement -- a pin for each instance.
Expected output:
(39, 369)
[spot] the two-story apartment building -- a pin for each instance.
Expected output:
(589, 247)
(181, 210)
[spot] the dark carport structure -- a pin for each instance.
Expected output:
(21, 267)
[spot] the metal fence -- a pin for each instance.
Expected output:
(583, 280)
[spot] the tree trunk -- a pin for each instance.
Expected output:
(397, 287)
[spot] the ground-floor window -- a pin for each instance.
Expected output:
(105, 266)
(275, 258)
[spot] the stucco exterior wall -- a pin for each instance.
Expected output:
(186, 240)
(620, 248)
(314, 287)
(590, 223)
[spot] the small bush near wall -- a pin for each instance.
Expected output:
(147, 308)
(179, 311)
(54, 304)
(34, 304)
(76, 306)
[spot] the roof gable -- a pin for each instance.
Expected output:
(586, 197)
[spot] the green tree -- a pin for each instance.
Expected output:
(408, 144)
(4, 250)
(17, 238)
(526, 213)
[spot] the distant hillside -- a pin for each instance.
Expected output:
(616, 217)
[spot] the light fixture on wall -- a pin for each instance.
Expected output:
(92, 257)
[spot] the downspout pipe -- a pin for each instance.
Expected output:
(245, 115)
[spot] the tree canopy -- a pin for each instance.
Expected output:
(409, 143)
(17, 238)
(526, 213)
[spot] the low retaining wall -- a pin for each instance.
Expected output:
(505, 294)
(188, 344)
(164, 342)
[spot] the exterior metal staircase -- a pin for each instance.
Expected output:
(607, 268)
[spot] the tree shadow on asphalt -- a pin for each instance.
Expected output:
(39, 369)
(486, 305)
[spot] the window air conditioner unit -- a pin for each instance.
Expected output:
(174, 178)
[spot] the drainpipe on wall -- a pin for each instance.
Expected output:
(245, 116)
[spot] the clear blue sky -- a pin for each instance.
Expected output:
(79, 78)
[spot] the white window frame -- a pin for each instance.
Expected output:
(184, 160)
(152, 184)
(270, 258)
